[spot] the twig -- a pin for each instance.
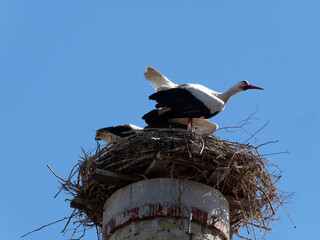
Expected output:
(98, 232)
(287, 213)
(183, 207)
(259, 226)
(257, 131)
(75, 231)
(38, 229)
(55, 173)
(140, 175)
(268, 154)
(242, 236)
(254, 232)
(59, 191)
(189, 222)
(203, 145)
(190, 156)
(70, 217)
(98, 147)
(245, 122)
(257, 186)
(267, 143)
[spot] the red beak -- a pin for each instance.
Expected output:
(254, 87)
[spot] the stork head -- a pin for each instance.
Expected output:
(104, 135)
(245, 85)
(100, 135)
(239, 87)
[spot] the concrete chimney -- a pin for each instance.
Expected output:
(166, 209)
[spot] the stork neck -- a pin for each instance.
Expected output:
(225, 97)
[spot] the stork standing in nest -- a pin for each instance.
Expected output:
(190, 104)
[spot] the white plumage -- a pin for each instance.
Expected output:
(209, 97)
(200, 126)
(158, 81)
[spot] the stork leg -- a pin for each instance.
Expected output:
(190, 124)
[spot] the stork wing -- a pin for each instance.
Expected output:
(121, 130)
(184, 102)
(158, 81)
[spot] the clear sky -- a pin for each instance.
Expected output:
(70, 67)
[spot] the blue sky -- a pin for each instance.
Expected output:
(68, 68)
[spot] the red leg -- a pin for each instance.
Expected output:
(190, 124)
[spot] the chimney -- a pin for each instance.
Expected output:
(166, 209)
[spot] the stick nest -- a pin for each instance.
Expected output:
(237, 170)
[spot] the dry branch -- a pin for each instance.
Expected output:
(44, 226)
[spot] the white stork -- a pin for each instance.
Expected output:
(188, 101)
(114, 133)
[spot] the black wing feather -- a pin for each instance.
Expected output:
(156, 120)
(181, 101)
(119, 130)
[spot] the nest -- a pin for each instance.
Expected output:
(237, 170)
